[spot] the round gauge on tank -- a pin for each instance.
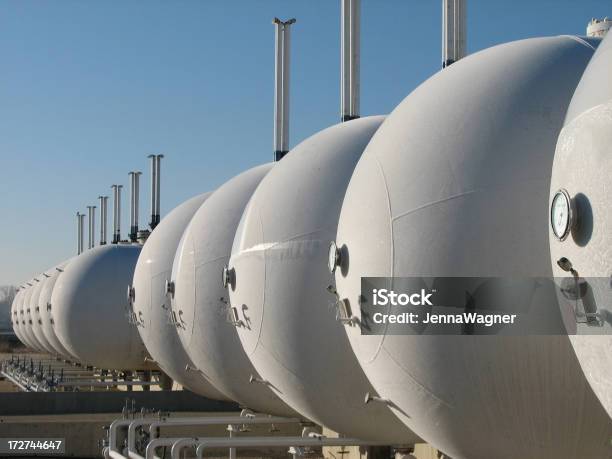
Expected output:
(333, 257)
(561, 214)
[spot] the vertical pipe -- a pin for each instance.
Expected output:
(132, 185)
(282, 51)
(134, 200)
(91, 216)
(454, 33)
(158, 159)
(153, 159)
(82, 238)
(355, 58)
(350, 59)
(103, 218)
(78, 218)
(116, 213)
(278, 89)
(286, 83)
(137, 202)
(82, 216)
(79, 233)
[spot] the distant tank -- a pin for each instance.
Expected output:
(151, 304)
(581, 218)
(278, 294)
(15, 320)
(21, 317)
(91, 310)
(598, 27)
(455, 183)
(26, 316)
(46, 311)
(35, 309)
(200, 302)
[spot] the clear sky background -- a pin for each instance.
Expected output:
(89, 89)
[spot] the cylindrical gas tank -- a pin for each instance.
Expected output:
(455, 183)
(583, 170)
(21, 317)
(37, 325)
(15, 321)
(26, 318)
(201, 303)
(46, 311)
(151, 303)
(284, 312)
(91, 310)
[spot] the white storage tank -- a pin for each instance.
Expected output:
(91, 310)
(598, 27)
(151, 304)
(200, 302)
(581, 217)
(455, 183)
(21, 316)
(46, 311)
(15, 319)
(26, 316)
(279, 281)
(37, 325)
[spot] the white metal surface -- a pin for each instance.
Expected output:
(151, 304)
(286, 318)
(456, 183)
(47, 311)
(200, 301)
(583, 166)
(90, 308)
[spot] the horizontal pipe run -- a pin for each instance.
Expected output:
(154, 425)
(109, 383)
(288, 442)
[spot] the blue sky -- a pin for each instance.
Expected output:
(89, 89)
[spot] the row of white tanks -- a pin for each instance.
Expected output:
(232, 297)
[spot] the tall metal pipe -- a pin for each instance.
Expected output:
(350, 59)
(82, 225)
(103, 218)
(134, 204)
(91, 236)
(80, 230)
(116, 213)
(153, 159)
(281, 86)
(155, 189)
(454, 33)
(158, 159)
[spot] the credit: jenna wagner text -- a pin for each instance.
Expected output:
(475, 306)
